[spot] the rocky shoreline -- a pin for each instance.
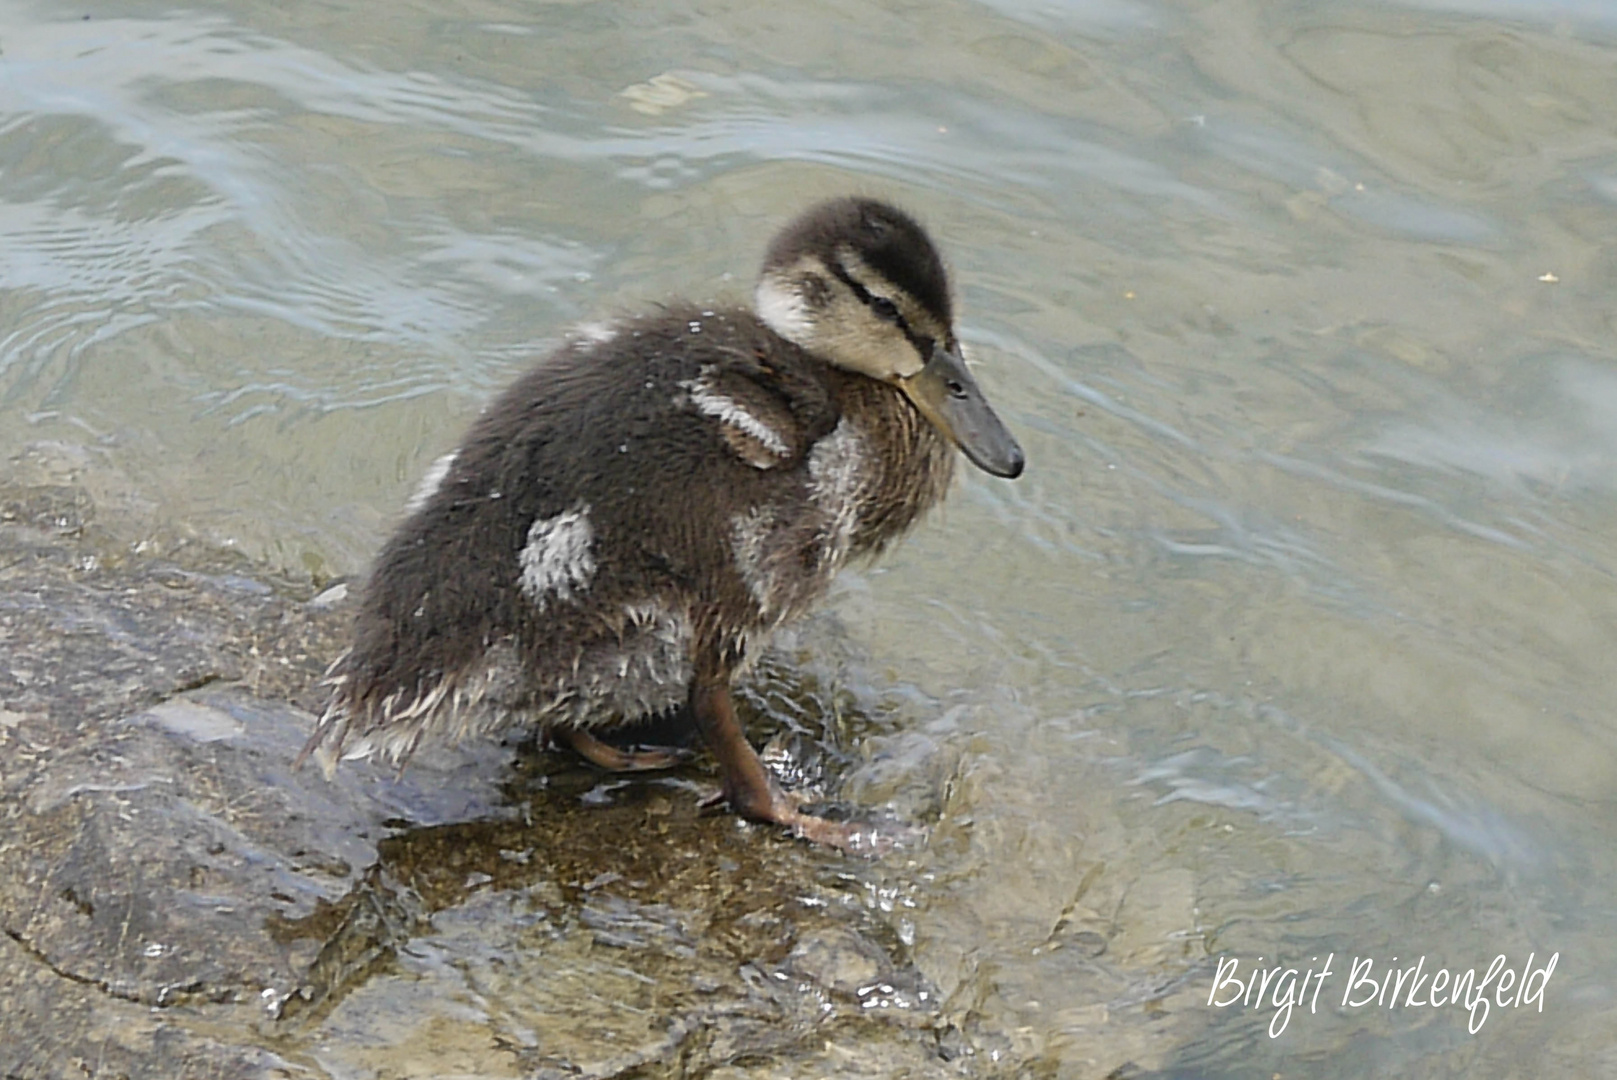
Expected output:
(176, 901)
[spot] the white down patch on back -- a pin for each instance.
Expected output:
(837, 478)
(431, 482)
(558, 561)
(727, 410)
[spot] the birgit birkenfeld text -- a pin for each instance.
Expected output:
(1371, 984)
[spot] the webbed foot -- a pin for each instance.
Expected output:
(752, 791)
(616, 759)
(771, 804)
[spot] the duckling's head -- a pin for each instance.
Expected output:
(858, 282)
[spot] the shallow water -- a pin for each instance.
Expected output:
(1293, 641)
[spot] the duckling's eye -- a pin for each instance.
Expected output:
(884, 308)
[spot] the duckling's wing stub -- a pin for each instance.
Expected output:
(768, 415)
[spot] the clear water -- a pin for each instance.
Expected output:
(1296, 638)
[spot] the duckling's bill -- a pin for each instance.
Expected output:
(953, 403)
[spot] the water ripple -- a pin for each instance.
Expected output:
(186, 114)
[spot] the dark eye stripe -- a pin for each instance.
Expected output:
(885, 310)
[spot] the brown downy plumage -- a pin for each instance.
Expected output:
(627, 523)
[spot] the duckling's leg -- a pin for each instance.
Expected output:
(615, 759)
(749, 787)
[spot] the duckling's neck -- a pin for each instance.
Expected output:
(910, 464)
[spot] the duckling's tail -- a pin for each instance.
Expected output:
(331, 730)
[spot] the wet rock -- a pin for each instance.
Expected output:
(175, 900)
(636, 937)
(840, 962)
(157, 861)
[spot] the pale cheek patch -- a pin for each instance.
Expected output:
(558, 560)
(857, 341)
(782, 308)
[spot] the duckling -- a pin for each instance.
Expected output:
(621, 531)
